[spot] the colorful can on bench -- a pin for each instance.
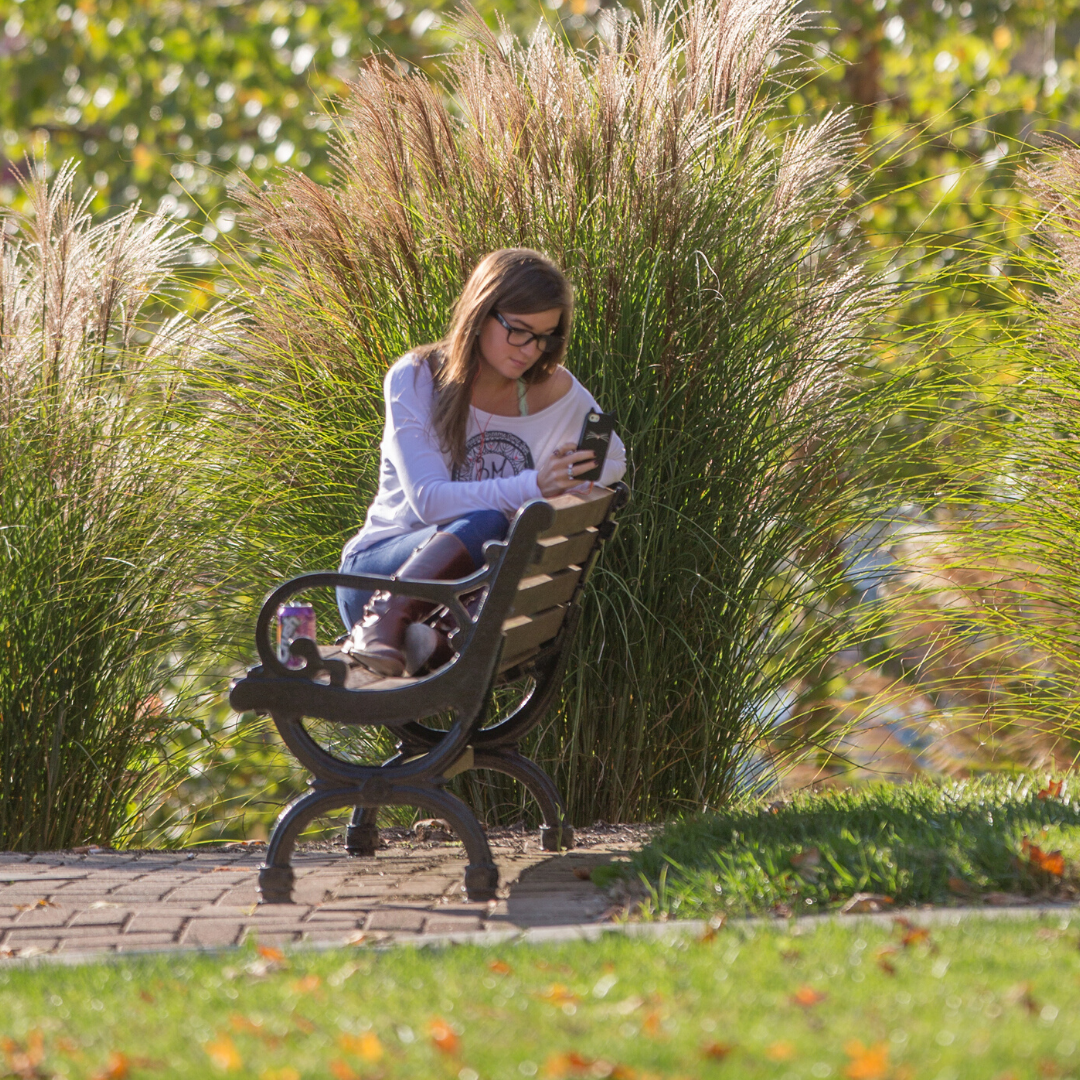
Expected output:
(294, 621)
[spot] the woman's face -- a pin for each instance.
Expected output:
(512, 361)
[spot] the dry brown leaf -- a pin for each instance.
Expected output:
(867, 1063)
(443, 1036)
(1020, 994)
(118, 1068)
(366, 1046)
(717, 1051)
(780, 1051)
(866, 904)
(223, 1054)
(582, 873)
(341, 1071)
(558, 994)
(500, 967)
(806, 997)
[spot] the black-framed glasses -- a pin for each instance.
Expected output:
(519, 338)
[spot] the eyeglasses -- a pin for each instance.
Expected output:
(548, 343)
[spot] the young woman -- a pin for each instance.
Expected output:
(477, 425)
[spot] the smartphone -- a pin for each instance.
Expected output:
(596, 436)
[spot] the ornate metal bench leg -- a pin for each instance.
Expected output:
(556, 834)
(362, 833)
(276, 875)
(275, 884)
(481, 875)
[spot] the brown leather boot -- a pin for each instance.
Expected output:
(377, 639)
(427, 644)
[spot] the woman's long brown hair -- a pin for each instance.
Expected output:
(513, 281)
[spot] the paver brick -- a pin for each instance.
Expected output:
(461, 924)
(216, 932)
(106, 916)
(411, 920)
(155, 922)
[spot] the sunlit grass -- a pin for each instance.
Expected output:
(911, 844)
(832, 999)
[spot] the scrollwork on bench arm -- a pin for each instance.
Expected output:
(438, 592)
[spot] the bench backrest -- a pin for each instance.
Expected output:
(563, 556)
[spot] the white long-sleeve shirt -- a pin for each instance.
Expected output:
(418, 487)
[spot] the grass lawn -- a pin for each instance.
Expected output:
(843, 999)
(986, 840)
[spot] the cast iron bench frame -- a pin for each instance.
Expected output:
(534, 581)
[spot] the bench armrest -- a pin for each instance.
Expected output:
(438, 592)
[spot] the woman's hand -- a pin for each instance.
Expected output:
(559, 472)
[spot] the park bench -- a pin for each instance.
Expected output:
(530, 585)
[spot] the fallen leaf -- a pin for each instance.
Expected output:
(1050, 862)
(1051, 791)
(307, 984)
(366, 1046)
(714, 924)
(342, 1071)
(651, 1024)
(780, 1051)
(571, 1063)
(1020, 994)
(223, 1054)
(960, 887)
(1004, 899)
(36, 904)
(807, 996)
(717, 1050)
(882, 956)
(582, 873)
(118, 1068)
(807, 859)
(915, 936)
(433, 829)
(500, 967)
(867, 1064)
(1050, 1068)
(558, 994)
(866, 903)
(275, 956)
(23, 1060)
(443, 1036)
(147, 997)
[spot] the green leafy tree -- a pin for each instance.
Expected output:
(170, 101)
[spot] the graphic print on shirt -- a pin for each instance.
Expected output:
(493, 454)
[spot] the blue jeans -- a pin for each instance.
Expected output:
(387, 556)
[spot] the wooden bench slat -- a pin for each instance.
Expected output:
(545, 590)
(508, 662)
(525, 632)
(573, 512)
(558, 552)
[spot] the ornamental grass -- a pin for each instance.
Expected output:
(721, 313)
(98, 543)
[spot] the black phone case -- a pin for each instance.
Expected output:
(596, 436)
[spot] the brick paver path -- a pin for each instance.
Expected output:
(131, 900)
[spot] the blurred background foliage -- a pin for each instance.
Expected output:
(173, 103)
(167, 102)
